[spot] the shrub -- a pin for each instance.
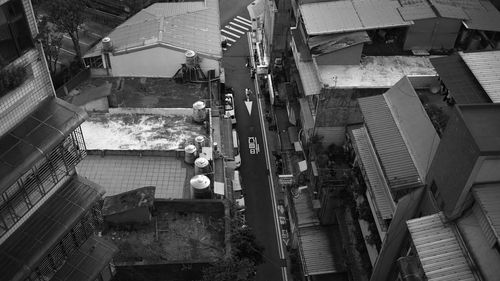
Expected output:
(11, 78)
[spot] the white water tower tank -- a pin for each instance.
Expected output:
(199, 112)
(189, 154)
(199, 142)
(200, 184)
(191, 58)
(201, 166)
(107, 45)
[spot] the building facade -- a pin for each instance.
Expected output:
(48, 214)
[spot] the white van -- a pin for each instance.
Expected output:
(236, 149)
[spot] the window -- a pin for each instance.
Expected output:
(15, 35)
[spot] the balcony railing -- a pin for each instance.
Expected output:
(35, 183)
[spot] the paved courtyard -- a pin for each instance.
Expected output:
(120, 173)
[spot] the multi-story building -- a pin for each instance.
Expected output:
(48, 214)
(449, 230)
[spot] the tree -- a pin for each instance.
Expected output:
(231, 269)
(244, 245)
(50, 37)
(68, 15)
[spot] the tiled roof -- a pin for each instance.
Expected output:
(393, 153)
(376, 180)
(485, 66)
(438, 249)
(459, 80)
(187, 26)
(345, 16)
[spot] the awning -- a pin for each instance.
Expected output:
(26, 247)
(88, 261)
(459, 80)
(481, 65)
(36, 137)
(320, 250)
(219, 188)
(438, 249)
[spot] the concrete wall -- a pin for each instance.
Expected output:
(455, 160)
(347, 56)
(155, 62)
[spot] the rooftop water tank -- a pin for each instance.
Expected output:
(107, 45)
(199, 111)
(200, 185)
(201, 166)
(199, 141)
(191, 58)
(189, 154)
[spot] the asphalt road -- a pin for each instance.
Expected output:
(254, 173)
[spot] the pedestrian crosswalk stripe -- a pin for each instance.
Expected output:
(243, 22)
(242, 18)
(229, 44)
(230, 39)
(234, 29)
(232, 34)
(237, 25)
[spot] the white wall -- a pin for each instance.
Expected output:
(155, 62)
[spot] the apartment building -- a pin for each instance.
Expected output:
(48, 214)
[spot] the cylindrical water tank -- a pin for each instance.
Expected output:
(190, 154)
(201, 166)
(191, 58)
(107, 45)
(199, 111)
(199, 141)
(201, 186)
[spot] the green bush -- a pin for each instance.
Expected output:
(11, 78)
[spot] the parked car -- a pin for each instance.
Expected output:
(229, 107)
(236, 150)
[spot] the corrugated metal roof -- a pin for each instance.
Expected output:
(446, 9)
(438, 249)
(391, 149)
(330, 17)
(379, 14)
(324, 44)
(320, 250)
(23, 250)
(345, 16)
(303, 208)
(488, 199)
(376, 180)
(485, 66)
(417, 12)
(414, 124)
(459, 80)
(308, 74)
(186, 26)
(486, 17)
(35, 137)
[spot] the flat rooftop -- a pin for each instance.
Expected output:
(141, 129)
(375, 72)
(122, 173)
(180, 231)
